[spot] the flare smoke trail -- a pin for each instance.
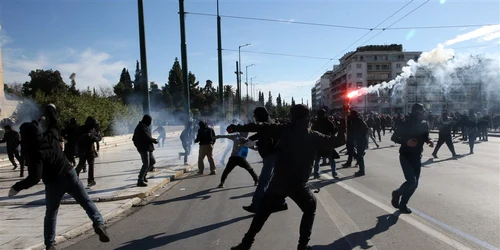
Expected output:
(442, 63)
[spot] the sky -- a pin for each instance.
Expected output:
(96, 39)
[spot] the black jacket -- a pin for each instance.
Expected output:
(326, 127)
(45, 159)
(86, 139)
(409, 129)
(296, 149)
(12, 139)
(205, 136)
(266, 142)
(142, 138)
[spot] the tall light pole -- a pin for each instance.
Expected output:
(144, 64)
(239, 78)
(219, 55)
(246, 83)
(185, 77)
(252, 94)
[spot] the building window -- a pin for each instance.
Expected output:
(359, 75)
(359, 84)
(385, 67)
(349, 77)
(358, 66)
(377, 67)
(369, 67)
(398, 65)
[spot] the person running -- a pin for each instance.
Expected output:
(445, 125)
(47, 161)
(412, 135)
(12, 139)
(88, 136)
(162, 137)
(238, 157)
(295, 153)
(186, 142)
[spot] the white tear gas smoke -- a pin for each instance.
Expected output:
(440, 70)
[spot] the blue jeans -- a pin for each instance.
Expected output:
(316, 165)
(66, 183)
(265, 177)
(411, 166)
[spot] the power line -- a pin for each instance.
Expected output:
(478, 46)
(279, 54)
(341, 26)
(388, 27)
(359, 39)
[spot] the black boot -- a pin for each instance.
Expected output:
(242, 246)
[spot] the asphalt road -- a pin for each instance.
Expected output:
(455, 207)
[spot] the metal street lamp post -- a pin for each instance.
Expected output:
(144, 65)
(219, 55)
(239, 78)
(246, 83)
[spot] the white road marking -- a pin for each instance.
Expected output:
(343, 222)
(407, 218)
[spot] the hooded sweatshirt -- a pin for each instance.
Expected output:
(206, 135)
(266, 142)
(43, 153)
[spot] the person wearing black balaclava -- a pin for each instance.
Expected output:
(186, 141)
(13, 140)
(445, 125)
(412, 135)
(266, 146)
(143, 142)
(87, 137)
(206, 138)
(47, 162)
(296, 151)
(326, 127)
(71, 136)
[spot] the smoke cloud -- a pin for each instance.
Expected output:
(441, 70)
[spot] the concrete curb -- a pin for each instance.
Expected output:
(77, 231)
(490, 134)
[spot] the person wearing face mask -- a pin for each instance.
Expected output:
(295, 154)
(144, 143)
(412, 135)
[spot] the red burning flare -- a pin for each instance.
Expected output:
(353, 94)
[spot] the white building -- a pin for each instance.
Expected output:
(369, 65)
(320, 93)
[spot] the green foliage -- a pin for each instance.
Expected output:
(48, 82)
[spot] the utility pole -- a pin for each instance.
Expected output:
(238, 89)
(185, 77)
(219, 54)
(246, 83)
(239, 78)
(144, 64)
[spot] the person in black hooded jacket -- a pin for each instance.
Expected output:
(295, 153)
(87, 137)
(12, 139)
(266, 146)
(206, 138)
(144, 143)
(47, 162)
(326, 127)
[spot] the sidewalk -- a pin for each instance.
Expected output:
(490, 133)
(107, 142)
(116, 171)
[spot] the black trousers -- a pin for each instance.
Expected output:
(279, 189)
(89, 158)
(445, 139)
(238, 161)
(14, 152)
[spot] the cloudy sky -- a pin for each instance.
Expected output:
(96, 39)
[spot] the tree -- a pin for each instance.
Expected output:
(156, 97)
(269, 103)
(211, 99)
(175, 85)
(72, 89)
(13, 90)
(124, 88)
(137, 80)
(293, 102)
(48, 82)
(196, 97)
(278, 101)
(167, 98)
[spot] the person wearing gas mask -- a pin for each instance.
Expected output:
(296, 151)
(87, 137)
(47, 162)
(445, 125)
(266, 146)
(143, 142)
(412, 135)
(238, 157)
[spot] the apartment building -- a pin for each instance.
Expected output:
(320, 93)
(367, 66)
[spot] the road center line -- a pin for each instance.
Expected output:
(407, 218)
(344, 223)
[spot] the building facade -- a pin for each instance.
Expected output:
(367, 66)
